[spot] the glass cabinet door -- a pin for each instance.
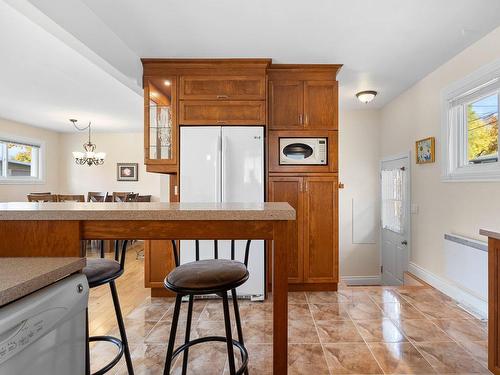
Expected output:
(160, 118)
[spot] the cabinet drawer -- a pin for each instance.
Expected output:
(223, 88)
(222, 113)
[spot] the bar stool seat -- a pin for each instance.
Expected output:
(207, 276)
(101, 271)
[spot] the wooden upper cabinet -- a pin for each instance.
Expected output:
(321, 230)
(222, 112)
(320, 104)
(286, 104)
(290, 189)
(223, 88)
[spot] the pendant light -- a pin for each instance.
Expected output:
(88, 156)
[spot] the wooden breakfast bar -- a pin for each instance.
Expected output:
(56, 229)
(493, 299)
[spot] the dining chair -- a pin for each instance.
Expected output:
(70, 198)
(120, 196)
(96, 196)
(144, 198)
(132, 197)
(42, 198)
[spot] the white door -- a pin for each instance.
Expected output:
(200, 169)
(395, 218)
(243, 181)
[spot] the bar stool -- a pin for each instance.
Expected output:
(202, 277)
(100, 271)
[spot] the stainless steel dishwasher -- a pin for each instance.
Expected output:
(44, 332)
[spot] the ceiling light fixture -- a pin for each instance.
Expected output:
(167, 83)
(89, 157)
(366, 96)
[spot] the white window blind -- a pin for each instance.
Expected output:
(393, 197)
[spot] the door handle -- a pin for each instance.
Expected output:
(404, 242)
(300, 119)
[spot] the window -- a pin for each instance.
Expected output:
(20, 161)
(393, 198)
(470, 127)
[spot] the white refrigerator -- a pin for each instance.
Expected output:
(224, 164)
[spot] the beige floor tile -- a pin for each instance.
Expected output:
(403, 310)
(327, 297)
(462, 330)
(160, 333)
(382, 330)
(449, 357)
(441, 311)
(478, 349)
(297, 297)
(384, 296)
(330, 311)
(350, 359)
(400, 358)
(204, 359)
(260, 359)
(257, 331)
(198, 307)
(147, 359)
(420, 330)
(299, 311)
(306, 359)
(213, 311)
(302, 331)
(256, 311)
(137, 330)
(335, 331)
(364, 311)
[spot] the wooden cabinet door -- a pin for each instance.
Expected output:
(223, 88)
(289, 189)
(321, 230)
(286, 104)
(222, 112)
(320, 104)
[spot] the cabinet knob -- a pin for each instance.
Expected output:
(341, 185)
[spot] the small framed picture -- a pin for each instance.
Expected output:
(425, 150)
(127, 171)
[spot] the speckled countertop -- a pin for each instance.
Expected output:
(22, 276)
(146, 211)
(490, 233)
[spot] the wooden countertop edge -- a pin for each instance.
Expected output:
(41, 280)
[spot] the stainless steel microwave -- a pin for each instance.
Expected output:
(303, 151)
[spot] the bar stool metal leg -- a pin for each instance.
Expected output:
(238, 321)
(121, 327)
(188, 334)
(229, 339)
(173, 331)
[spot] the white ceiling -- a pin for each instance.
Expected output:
(385, 45)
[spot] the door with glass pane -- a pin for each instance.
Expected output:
(395, 219)
(160, 139)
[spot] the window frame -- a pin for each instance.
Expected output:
(483, 82)
(21, 180)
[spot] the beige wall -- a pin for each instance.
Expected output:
(444, 207)
(17, 192)
(119, 148)
(359, 153)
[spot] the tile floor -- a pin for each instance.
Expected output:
(372, 330)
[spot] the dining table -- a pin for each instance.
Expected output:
(51, 229)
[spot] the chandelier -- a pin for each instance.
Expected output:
(89, 156)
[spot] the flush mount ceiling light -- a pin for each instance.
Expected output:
(89, 156)
(167, 83)
(366, 96)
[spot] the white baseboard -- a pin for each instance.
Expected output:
(464, 297)
(361, 280)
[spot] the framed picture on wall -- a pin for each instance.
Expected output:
(127, 171)
(425, 150)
